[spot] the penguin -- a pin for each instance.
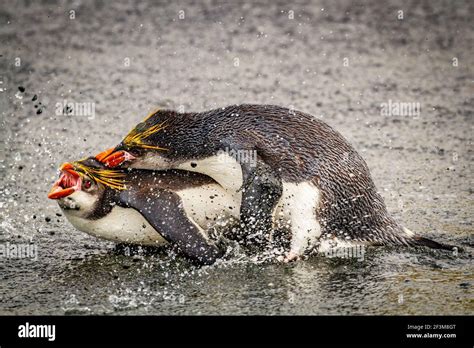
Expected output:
(293, 166)
(145, 207)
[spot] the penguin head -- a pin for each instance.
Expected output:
(83, 184)
(140, 142)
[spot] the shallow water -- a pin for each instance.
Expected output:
(384, 282)
(421, 165)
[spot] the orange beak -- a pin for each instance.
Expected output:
(101, 156)
(68, 182)
(116, 158)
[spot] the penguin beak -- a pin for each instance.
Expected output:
(101, 156)
(116, 158)
(69, 182)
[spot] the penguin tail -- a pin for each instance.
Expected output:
(413, 239)
(422, 241)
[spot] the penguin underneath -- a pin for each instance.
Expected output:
(145, 207)
(303, 170)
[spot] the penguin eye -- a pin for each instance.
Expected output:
(87, 184)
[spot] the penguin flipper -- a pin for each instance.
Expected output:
(164, 212)
(261, 186)
(261, 191)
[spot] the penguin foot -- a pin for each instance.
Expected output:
(290, 256)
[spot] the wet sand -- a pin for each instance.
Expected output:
(338, 60)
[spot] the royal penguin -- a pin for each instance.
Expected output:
(145, 207)
(282, 162)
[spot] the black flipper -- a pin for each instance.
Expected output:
(261, 190)
(164, 212)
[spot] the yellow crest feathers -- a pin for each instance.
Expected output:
(136, 136)
(115, 179)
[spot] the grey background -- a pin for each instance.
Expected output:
(421, 165)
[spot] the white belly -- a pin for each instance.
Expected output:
(223, 168)
(210, 205)
(296, 210)
(124, 225)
